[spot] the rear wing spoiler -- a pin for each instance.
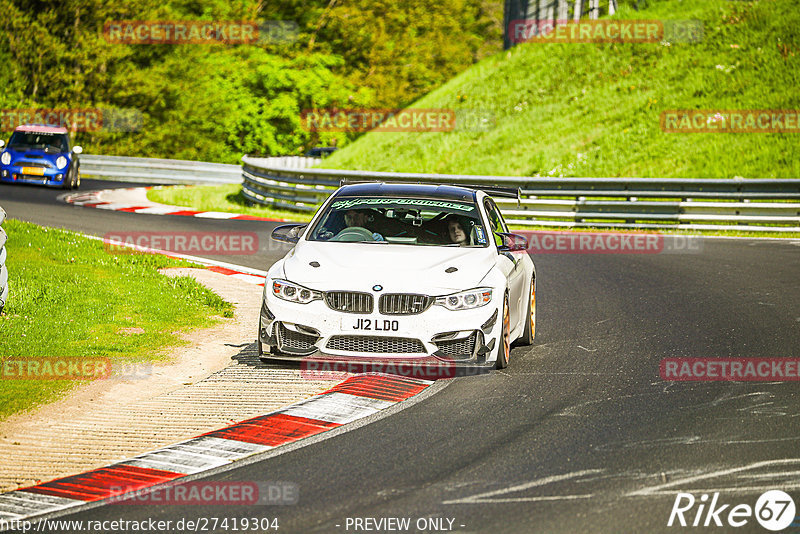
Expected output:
(491, 190)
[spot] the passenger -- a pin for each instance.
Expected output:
(456, 230)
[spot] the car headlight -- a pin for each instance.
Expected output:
(466, 300)
(61, 162)
(293, 292)
(5, 159)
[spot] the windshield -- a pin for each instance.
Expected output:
(52, 142)
(407, 221)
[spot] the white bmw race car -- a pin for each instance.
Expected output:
(401, 272)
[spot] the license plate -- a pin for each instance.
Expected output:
(370, 324)
(35, 171)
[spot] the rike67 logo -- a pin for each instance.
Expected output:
(774, 510)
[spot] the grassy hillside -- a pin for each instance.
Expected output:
(593, 109)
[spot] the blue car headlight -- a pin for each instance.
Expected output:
(5, 159)
(61, 162)
(294, 293)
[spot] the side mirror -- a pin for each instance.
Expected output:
(77, 149)
(2, 143)
(512, 242)
(288, 233)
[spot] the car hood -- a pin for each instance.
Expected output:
(398, 268)
(35, 154)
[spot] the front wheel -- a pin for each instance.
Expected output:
(530, 324)
(67, 184)
(504, 345)
(73, 179)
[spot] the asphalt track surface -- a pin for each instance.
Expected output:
(580, 433)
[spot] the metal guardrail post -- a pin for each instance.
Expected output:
(563, 10)
(578, 12)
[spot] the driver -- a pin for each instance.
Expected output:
(356, 218)
(359, 218)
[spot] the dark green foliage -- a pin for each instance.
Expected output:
(215, 101)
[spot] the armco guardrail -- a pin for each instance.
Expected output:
(3, 269)
(175, 171)
(694, 204)
(261, 188)
(159, 171)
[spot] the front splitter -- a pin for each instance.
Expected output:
(425, 367)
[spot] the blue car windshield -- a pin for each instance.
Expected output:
(53, 141)
(403, 221)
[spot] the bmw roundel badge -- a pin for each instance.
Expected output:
(377, 288)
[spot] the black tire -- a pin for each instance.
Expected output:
(530, 325)
(504, 342)
(67, 184)
(73, 179)
(77, 178)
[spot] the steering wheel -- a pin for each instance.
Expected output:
(354, 233)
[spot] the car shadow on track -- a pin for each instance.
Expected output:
(249, 356)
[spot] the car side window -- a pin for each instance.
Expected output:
(496, 222)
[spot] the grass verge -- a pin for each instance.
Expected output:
(225, 198)
(71, 299)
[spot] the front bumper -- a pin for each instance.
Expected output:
(49, 177)
(315, 332)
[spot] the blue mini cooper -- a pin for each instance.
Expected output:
(40, 154)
